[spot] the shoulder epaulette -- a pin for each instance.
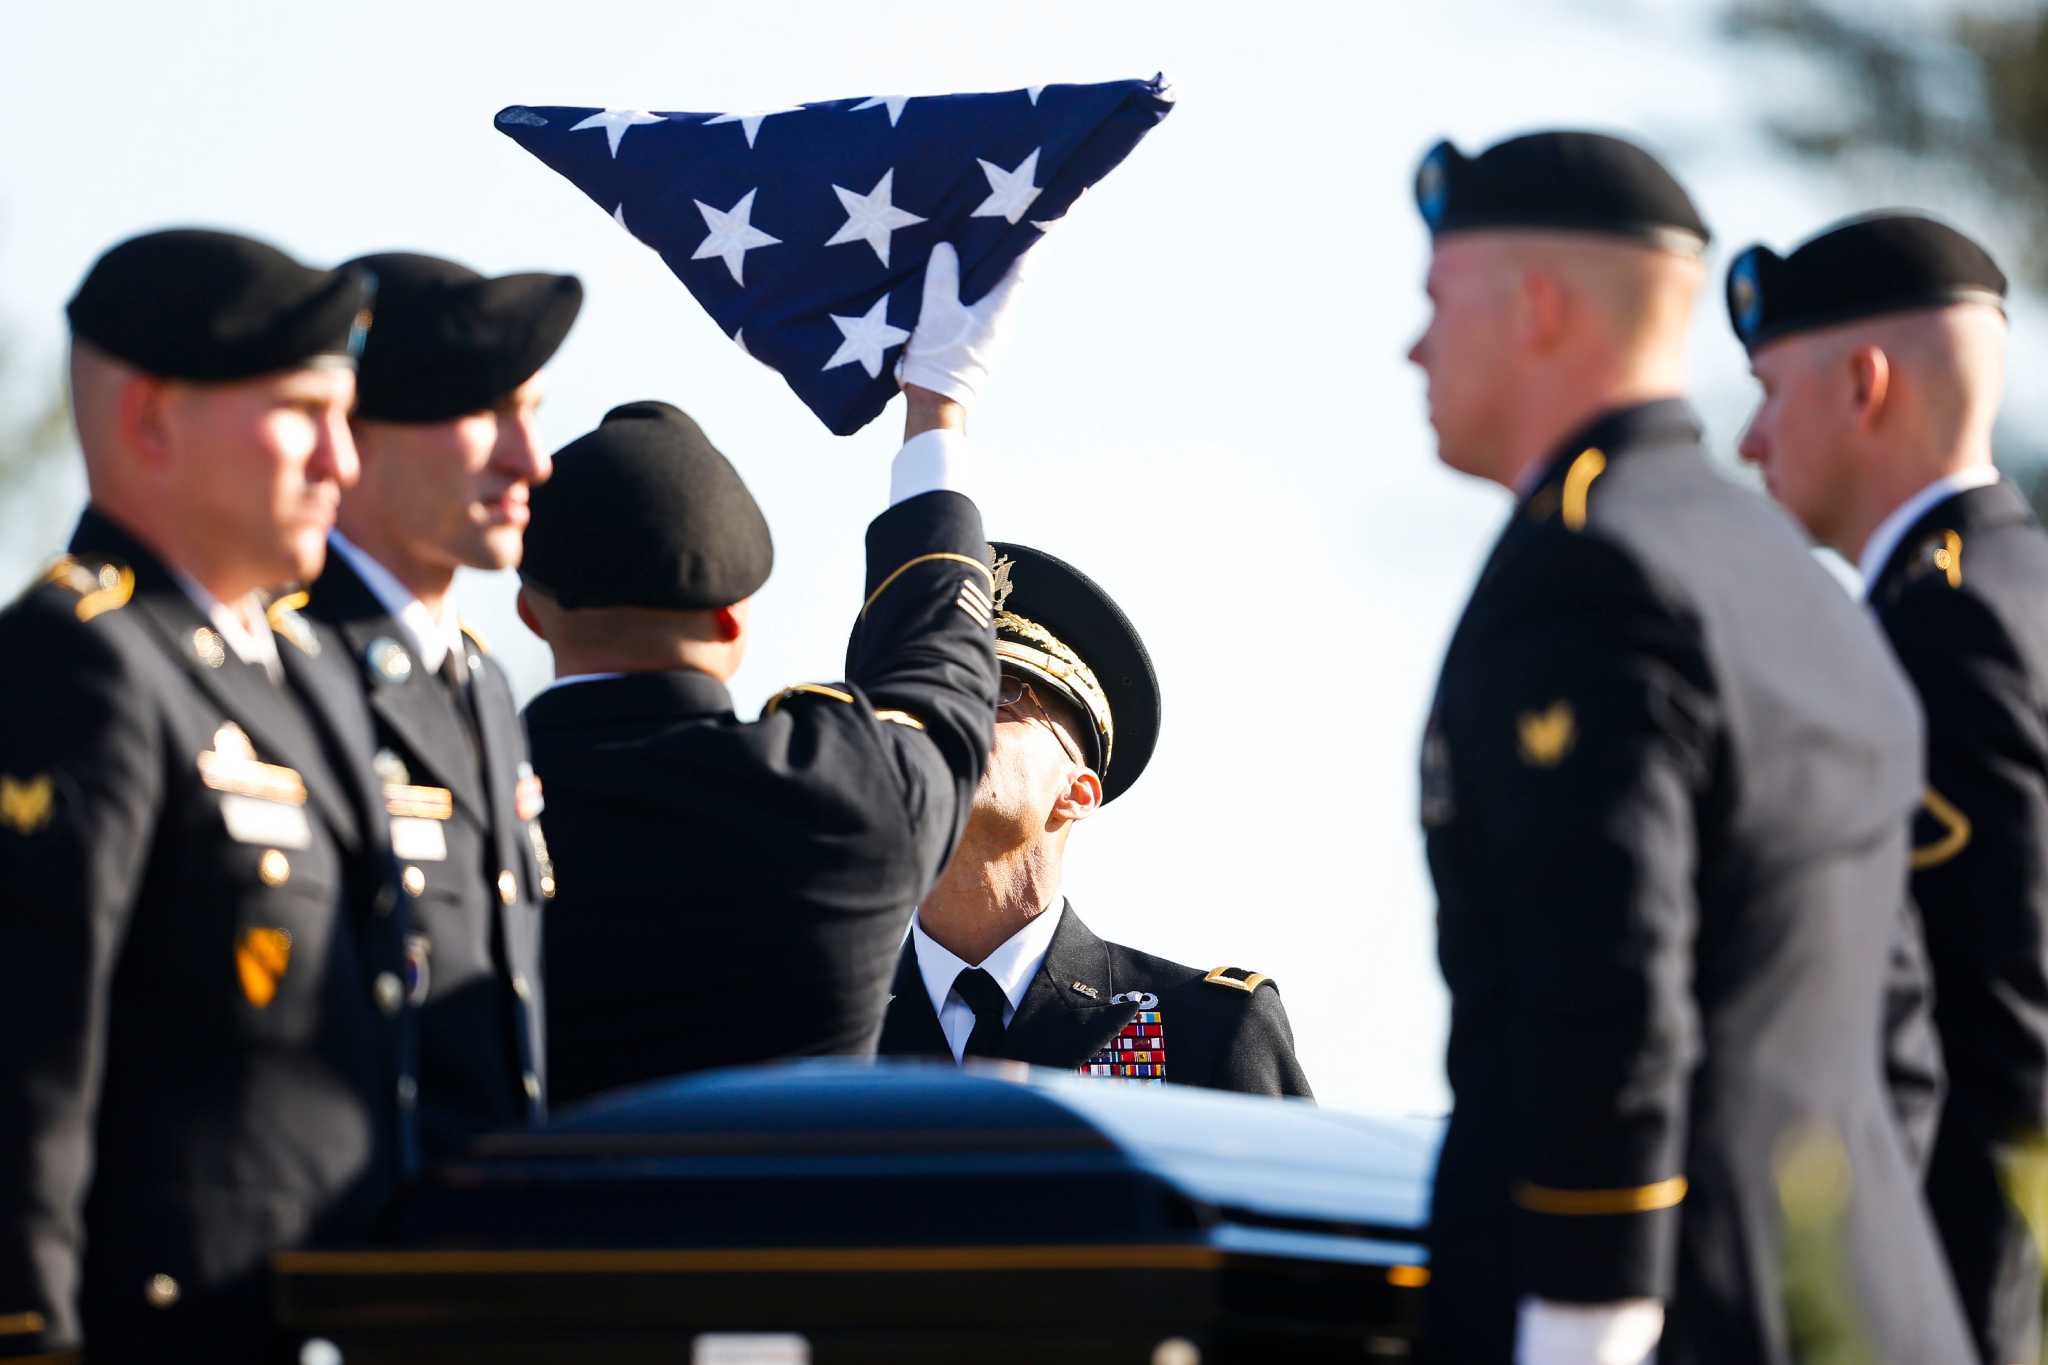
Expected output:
(893, 717)
(1236, 978)
(804, 689)
(476, 637)
(101, 587)
(283, 616)
(1567, 500)
(1578, 485)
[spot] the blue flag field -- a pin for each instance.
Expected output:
(804, 231)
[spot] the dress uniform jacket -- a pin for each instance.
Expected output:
(463, 806)
(1665, 788)
(1964, 601)
(1107, 1010)
(731, 891)
(206, 1052)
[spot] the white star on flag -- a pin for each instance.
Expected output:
(732, 235)
(871, 217)
(750, 123)
(866, 338)
(615, 122)
(1010, 192)
(893, 103)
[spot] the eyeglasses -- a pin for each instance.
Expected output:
(1011, 691)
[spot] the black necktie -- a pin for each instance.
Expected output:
(455, 676)
(988, 1002)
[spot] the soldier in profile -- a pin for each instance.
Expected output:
(208, 1054)
(1666, 781)
(1880, 345)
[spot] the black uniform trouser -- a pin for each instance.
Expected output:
(1990, 1251)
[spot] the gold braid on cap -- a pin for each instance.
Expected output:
(1056, 662)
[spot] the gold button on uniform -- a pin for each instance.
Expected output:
(390, 993)
(547, 888)
(508, 886)
(532, 1087)
(162, 1291)
(273, 868)
(521, 987)
(414, 881)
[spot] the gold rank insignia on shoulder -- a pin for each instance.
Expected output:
(1137, 1053)
(283, 616)
(1545, 737)
(25, 803)
(1236, 978)
(101, 588)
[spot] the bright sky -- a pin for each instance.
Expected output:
(1204, 406)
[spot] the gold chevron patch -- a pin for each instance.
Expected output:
(260, 959)
(1546, 736)
(25, 805)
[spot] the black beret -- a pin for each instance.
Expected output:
(1559, 181)
(210, 307)
(1059, 629)
(449, 342)
(644, 512)
(1865, 267)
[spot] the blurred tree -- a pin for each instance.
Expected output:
(1956, 93)
(1959, 90)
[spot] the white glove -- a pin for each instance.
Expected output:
(953, 347)
(1624, 1333)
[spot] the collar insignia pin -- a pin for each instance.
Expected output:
(1084, 988)
(388, 660)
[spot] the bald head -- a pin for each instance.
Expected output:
(1856, 419)
(1535, 332)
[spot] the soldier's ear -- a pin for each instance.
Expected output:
(1870, 378)
(1542, 306)
(1081, 799)
(729, 623)
(144, 419)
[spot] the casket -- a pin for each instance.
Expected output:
(836, 1211)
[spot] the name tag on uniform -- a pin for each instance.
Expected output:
(415, 840)
(252, 820)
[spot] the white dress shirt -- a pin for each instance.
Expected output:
(431, 639)
(246, 632)
(933, 460)
(1886, 537)
(1012, 965)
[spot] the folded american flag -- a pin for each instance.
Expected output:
(804, 231)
